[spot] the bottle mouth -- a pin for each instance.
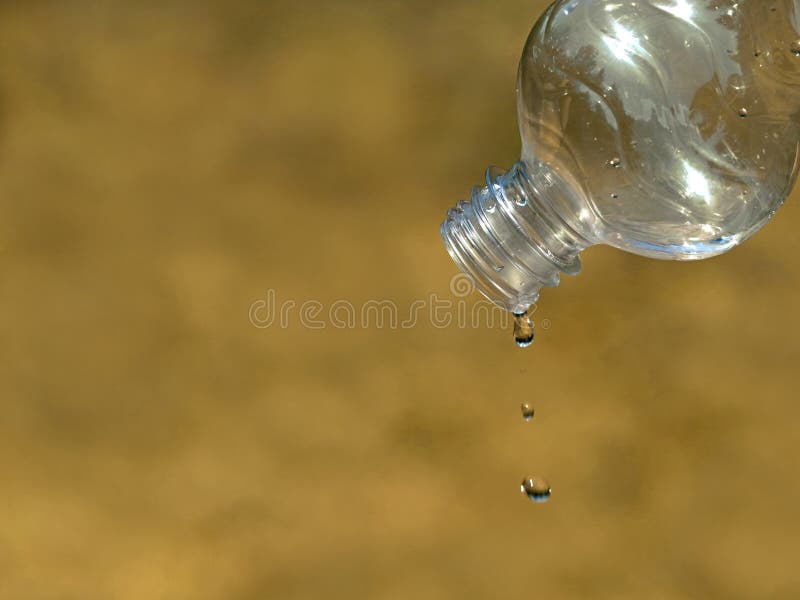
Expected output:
(499, 240)
(476, 255)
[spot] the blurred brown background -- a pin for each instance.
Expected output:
(164, 164)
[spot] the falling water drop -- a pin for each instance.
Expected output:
(615, 162)
(536, 488)
(743, 112)
(527, 411)
(523, 329)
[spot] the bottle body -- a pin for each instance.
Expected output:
(670, 130)
(678, 123)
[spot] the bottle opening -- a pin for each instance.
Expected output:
(508, 240)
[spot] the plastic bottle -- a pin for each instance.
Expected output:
(669, 130)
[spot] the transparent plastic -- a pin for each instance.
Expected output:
(670, 130)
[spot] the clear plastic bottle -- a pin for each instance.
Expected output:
(667, 129)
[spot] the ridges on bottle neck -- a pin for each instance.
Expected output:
(509, 240)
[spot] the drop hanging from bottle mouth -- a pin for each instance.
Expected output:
(523, 329)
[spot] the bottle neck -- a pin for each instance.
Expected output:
(509, 240)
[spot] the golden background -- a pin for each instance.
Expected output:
(163, 165)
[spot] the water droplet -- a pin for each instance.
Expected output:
(490, 204)
(615, 195)
(757, 53)
(615, 162)
(523, 329)
(796, 47)
(736, 82)
(743, 112)
(498, 268)
(527, 411)
(536, 488)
